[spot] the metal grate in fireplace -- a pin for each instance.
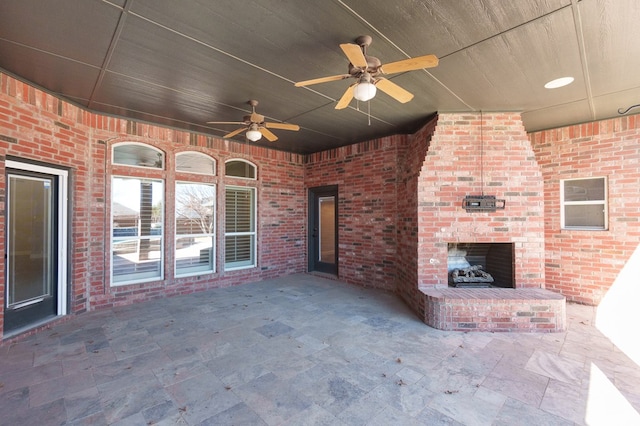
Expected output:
(480, 265)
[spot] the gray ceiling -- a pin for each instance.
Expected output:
(183, 63)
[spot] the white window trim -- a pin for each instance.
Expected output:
(142, 278)
(212, 235)
(254, 233)
(604, 203)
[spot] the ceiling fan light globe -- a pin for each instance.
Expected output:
(364, 91)
(254, 135)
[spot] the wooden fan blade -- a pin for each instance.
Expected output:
(235, 132)
(268, 134)
(346, 98)
(225, 122)
(256, 118)
(355, 55)
(419, 62)
(393, 90)
(322, 80)
(282, 126)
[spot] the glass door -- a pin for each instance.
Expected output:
(32, 246)
(323, 226)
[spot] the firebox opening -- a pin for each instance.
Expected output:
(480, 265)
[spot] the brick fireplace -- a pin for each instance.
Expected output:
(470, 154)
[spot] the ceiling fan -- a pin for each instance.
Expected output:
(255, 126)
(367, 71)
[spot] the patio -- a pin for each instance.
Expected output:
(306, 350)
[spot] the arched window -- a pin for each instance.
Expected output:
(195, 162)
(240, 235)
(137, 155)
(137, 215)
(240, 168)
(195, 214)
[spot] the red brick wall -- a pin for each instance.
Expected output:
(366, 175)
(583, 265)
(37, 126)
(466, 152)
(410, 163)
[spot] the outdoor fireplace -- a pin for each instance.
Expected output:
(480, 265)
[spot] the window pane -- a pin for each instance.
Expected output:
(136, 259)
(195, 213)
(194, 254)
(194, 208)
(135, 154)
(240, 235)
(239, 168)
(239, 250)
(584, 189)
(195, 162)
(586, 215)
(137, 229)
(239, 210)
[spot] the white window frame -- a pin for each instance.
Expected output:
(139, 278)
(254, 234)
(604, 202)
(211, 235)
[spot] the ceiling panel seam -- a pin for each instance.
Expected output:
(577, 19)
(112, 47)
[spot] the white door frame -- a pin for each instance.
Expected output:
(63, 182)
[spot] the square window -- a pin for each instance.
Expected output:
(584, 203)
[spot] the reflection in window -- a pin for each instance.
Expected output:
(240, 228)
(240, 168)
(195, 162)
(195, 228)
(137, 154)
(584, 203)
(137, 231)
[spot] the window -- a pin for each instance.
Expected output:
(240, 168)
(138, 155)
(195, 228)
(195, 162)
(240, 228)
(584, 203)
(137, 208)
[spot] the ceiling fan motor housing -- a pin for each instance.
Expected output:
(373, 65)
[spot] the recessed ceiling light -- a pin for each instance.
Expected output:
(558, 82)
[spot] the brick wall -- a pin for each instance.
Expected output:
(366, 175)
(583, 265)
(37, 126)
(411, 158)
(468, 152)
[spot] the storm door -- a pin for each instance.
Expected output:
(35, 271)
(323, 227)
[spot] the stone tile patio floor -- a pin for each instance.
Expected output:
(305, 350)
